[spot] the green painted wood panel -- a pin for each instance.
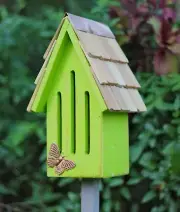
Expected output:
(115, 144)
(55, 62)
(87, 165)
(47, 81)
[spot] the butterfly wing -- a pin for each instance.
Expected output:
(59, 169)
(64, 165)
(54, 155)
(54, 151)
(51, 162)
(67, 164)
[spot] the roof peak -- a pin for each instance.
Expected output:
(90, 26)
(106, 61)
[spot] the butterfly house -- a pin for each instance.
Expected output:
(86, 89)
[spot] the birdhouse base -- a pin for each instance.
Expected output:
(110, 157)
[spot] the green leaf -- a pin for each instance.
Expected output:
(117, 206)
(65, 181)
(147, 160)
(107, 193)
(114, 182)
(136, 150)
(125, 193)
(4, 190)
(133, 181)
(168, 148)
(175, 158)
(107, 205)
(73, 196)
(150, 195)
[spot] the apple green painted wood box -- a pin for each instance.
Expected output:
(87, 89)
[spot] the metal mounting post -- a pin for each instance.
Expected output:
(90, 195)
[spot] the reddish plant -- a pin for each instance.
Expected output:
(139, 21)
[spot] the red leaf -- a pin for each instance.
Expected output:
(162, 3)
(165, 31)
(159, 62)
(130, 6)
(165, 62)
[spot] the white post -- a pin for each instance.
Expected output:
(90, 195)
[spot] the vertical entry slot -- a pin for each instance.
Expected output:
(87, 122)
(59, 114)
(73, 112)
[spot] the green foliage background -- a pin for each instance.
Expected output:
(154, 182)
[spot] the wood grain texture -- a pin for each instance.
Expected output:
(127, 75)
(90, 26)
(137, 99)
(102, 47)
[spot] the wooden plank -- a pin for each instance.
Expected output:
(114, 50)
(73, 59)
(90, 195)
(102, 72)
(43, 69)
(119, 98)
(29, 107)
(54, 38)
(115, 144)
(137, 99)
(101, 47)
(115, 73)
(92, 44)
(115, 102)
(37, 103)
(127, 75)
(127, 99)
(90, 26)
(98, 70)
(108, 98)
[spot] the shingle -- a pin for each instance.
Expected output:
(127, 75)
(102, 72)
(119, 98)
(128, 100)
(90, 26)
(109, 98)
(92, 44)
(137, 99)
(114, 50)
(113, 73)
(122, 99)
(113, 70)
(101, 47)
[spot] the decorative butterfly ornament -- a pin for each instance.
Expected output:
(55, 159)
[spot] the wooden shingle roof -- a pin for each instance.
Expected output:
(109, 64)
